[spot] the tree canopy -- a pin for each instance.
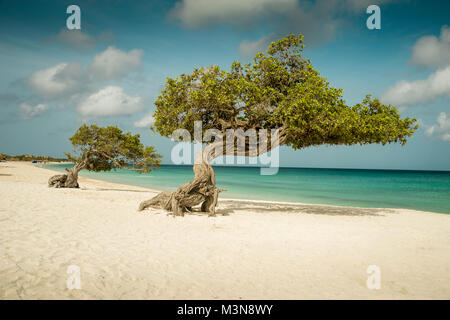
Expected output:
(278, 90)
(104, 148)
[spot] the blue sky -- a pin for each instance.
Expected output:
(110, 72)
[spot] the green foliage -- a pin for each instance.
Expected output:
(105, 148)
(280, 89)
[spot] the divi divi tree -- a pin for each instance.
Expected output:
(279, 90)
(103, 149)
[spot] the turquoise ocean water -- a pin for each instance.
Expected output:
(419, 190)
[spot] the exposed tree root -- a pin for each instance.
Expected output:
(202, 190)
(69, 180)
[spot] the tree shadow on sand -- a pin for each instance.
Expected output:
(228, 207)
(113, 189)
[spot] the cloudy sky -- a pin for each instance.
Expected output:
(53, 79)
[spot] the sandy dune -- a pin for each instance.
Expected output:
(254, 251)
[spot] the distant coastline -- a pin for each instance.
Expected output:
(31, 157)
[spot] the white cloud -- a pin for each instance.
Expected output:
(442, 128)
(431, 51)
(28, 111)
(407, 93)
(359, 6)
(110, 101)
(200, 13)
(317, 20)
(79, 39)
(204, 13)
(74, 38)
(65, 80)
(145, 122)
(249, 48)
(58, 80)
(113, 63)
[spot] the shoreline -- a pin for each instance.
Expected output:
(250, 250)
(319, 168)
(287, 203)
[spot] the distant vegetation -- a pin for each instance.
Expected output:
(30, 157)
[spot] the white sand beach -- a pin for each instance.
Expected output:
(251, 250)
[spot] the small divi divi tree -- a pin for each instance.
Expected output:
(279, 90)
(103, 149)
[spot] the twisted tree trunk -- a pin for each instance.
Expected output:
(69, 180)
(201, 190)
